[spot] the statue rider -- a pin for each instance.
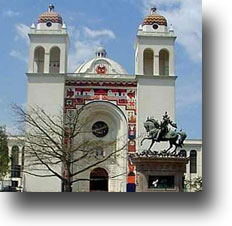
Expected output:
(163, 127)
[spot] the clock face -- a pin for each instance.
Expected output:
(100, 129)
(101, 69)
(155, 26)
(49, 24)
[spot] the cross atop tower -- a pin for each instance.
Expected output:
(51, 8)
(153, 10)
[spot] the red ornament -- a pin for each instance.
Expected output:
(101, 69)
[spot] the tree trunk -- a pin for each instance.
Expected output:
(67, 186)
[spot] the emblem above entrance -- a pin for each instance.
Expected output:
(100, 129)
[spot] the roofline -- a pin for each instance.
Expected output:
(193, 142)
(93, 60)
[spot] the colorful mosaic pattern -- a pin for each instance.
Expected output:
(80, 92)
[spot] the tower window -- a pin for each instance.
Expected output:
(39, 60)
(148, 62)
(164, 62)
(54, 66)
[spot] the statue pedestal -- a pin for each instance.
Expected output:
(159, 174)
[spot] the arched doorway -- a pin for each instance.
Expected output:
(99, 180)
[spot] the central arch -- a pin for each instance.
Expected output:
(114, 117)
(99, 180)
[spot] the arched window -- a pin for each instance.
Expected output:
(163, 62)
(193, 161)
(15, 155)
(183, 153)
(148, 62)
(15, 167)
(54, 64)
(39, 60)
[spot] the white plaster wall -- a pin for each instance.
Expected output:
(47, 92)
(149, 28)
(44, 27)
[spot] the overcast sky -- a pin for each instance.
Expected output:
(112, 24)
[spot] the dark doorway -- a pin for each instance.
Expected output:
(99, 180)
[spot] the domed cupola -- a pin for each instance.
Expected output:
(50, 19)
(101, 52)
(101, 65)
(154, 22)
(50, 16)
(154, 18)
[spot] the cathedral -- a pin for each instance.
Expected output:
(113, 99)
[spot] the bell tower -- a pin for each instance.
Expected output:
(154, 46)
(155, 69)
(48, 44)
(47, 70)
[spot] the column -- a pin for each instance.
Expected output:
(62, 60)
(156, 65)
(171, 63)
(46, 62)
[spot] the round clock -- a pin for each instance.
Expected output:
(155, 26)
(49, 24)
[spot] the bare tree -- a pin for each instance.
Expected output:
(56, 143)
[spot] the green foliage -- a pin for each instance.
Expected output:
(194, 185)
(4, 159)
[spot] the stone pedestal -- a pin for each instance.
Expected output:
(159, 174)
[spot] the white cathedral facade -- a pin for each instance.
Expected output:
(113, 98)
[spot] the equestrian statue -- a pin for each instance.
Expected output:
(157, 132)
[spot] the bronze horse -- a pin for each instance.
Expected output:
(160, 132)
